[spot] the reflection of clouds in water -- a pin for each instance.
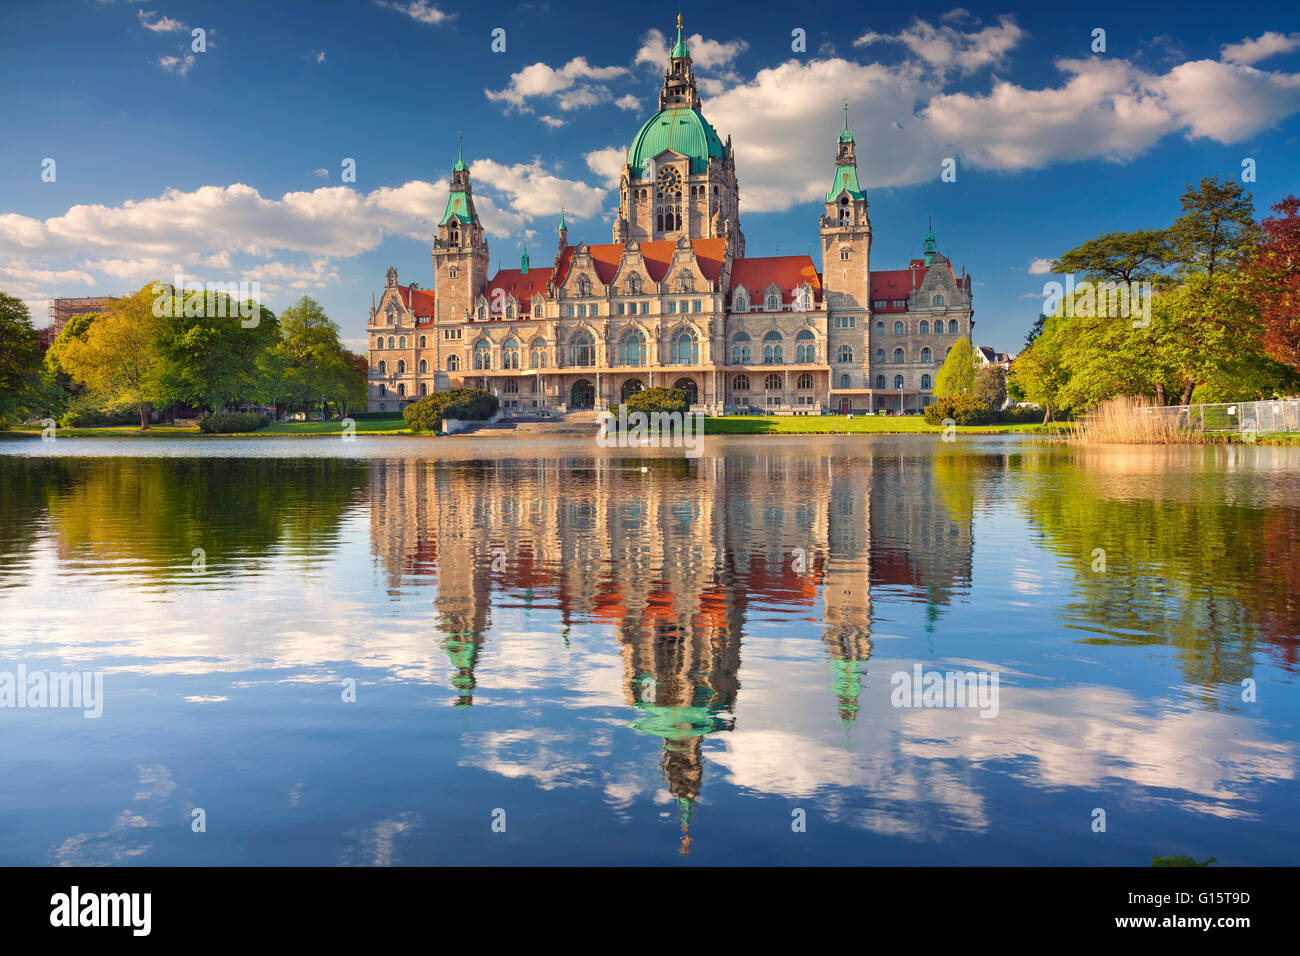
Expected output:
(123, 841)
(377, 845)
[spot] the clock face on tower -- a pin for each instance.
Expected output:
(667, 179)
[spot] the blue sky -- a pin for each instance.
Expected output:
(227, 162)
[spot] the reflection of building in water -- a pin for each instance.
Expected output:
(679, 558)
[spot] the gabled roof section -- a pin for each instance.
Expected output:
(658, 256)
(786, 272)
(522, 285)
(419, 301)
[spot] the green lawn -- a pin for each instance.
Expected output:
(858, 425)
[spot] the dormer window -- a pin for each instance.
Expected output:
(584, 286)
(773, 302)
(938, 301)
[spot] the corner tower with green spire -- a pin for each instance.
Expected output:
(680, 177)
(460, 251)
(846, 269)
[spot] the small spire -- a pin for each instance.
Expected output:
(564, 226)
(846, 114)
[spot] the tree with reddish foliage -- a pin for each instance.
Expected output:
(1274, 276)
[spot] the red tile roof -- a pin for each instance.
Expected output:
(658, 257)
(522, 285)
(788, 272)
(419, 301)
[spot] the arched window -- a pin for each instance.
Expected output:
(898, 328)
(383, 389)
(401, 367)
(898, 356)
(740, 383)
(925, 381)
(453, 363)
(772, 383)
(401, 342)
(685, 283)
(880, 356)
(539, 353)
(424, 342)
(684, 349)
(424, 389)
(804, 348)
(633, 284)
(938, 328)
(925, 356)
(898, 381)
(401, 389)
(924, 328)
(740, 349)
(482, 313)
(804, 381)
(845, 354)
(772, 348)
(740, 301)
(774, 301)
(880, 326)
(383, 367)
(952, 327)
(482, 355)
(510, 353)
(803, 299)
(880, 381)
(938, 301)
(631, 348)
(390, 342)
(424, 366)
(844, 380)
(510, 312)
(584, 286)
(582, 349)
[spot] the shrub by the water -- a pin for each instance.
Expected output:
(962, 409)
(229, 423)
(471, 404)
(657, 399)
(91, 418)
(1019, 414)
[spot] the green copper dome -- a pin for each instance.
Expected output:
(682, 130)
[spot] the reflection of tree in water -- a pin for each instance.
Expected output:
(146, 515)
(1210, 579)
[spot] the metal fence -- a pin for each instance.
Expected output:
(1275, 415)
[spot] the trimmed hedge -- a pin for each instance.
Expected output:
(229, 423)
(1020, 415)
(962, 409)
(372, 416)
(472, 404)
(95, 419)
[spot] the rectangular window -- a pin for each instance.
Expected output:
(880, 304)
(620, 308)
(672, 306)
(568, 310)
(900, 303)
(645, 308)
(582, 310)
(697, 305)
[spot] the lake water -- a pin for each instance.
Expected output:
(563, 654)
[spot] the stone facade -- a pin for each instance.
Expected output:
(673, 300)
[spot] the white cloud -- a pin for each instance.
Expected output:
(608, 164)
(1041, 267)
(554, 122)
(535, 192)
(540, 80)
(421, 11)
(947, 47)
(706, 55)
(177, 65)
(1268, 44)
(628, 102)
(321, 173)
(164, 24)
(320, 56)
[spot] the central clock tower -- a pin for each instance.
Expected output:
(680, 178)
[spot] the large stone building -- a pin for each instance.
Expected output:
(673, 300)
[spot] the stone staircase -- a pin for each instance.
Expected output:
(583, 423)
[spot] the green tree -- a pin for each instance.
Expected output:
(119, 360)
(209, 357)
(1039, 372)
(1119, 257)
(991, 386)
(957, 376)
(310, 358)
(1216, 231)
(20, 355)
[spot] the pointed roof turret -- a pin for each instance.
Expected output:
(931, 247)
(460, 201)
(679, 49)
(846, 165)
